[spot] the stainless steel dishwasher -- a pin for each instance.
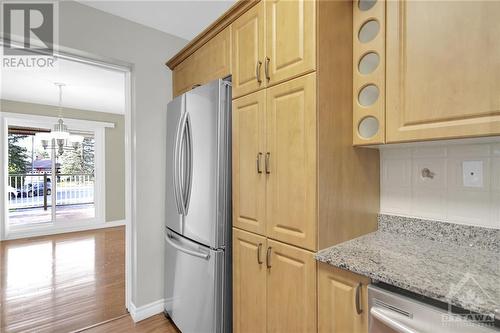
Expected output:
(392, 312)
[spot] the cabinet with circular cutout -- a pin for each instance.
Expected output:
(368, 72)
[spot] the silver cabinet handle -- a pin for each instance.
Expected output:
(268, 169)
(259, 157)
(257, 71)
(359, 310)
(259, 249)
(196, 85)
(380, 315)
(266, 68)
(171, 240)
(268, 257)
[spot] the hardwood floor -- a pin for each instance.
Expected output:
(155, 324)
(64, 282)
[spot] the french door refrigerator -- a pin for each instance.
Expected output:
(198, 209)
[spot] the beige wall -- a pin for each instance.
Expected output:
(115, 148)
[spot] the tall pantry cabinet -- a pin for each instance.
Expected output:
(298, 183)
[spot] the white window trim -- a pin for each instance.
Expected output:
(99, 130)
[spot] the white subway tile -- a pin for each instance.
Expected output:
(469, 207)
(495, 210)
(495, 149)
(395, 201)
(396, 173)
(428, 203)
(476, 150)
(395, 153)
(422, 152)
(495, 174)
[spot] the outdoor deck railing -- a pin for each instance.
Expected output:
(28, 190)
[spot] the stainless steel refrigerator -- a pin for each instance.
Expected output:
(198, 209)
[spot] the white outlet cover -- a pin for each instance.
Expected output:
(472, 173)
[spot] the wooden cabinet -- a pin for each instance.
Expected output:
(248, 51)
(274, 162)
(274, 286)
(290, 39)
(433, 71)
(342, 301)
(291, 289)
(291, 156)
(443, 70)
(211, 61)
(273, 42)
(183, 76)
(249, 282)
(249, 177)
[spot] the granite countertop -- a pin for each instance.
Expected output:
(458, 265)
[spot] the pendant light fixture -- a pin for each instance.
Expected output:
(60, 133)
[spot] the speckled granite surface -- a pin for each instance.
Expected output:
(485, 238)
(447, 265)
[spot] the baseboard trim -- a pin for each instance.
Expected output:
(146, 311)
(34, 232)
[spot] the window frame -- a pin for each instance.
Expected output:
(29, 120)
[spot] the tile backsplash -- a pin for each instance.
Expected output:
(457, 183)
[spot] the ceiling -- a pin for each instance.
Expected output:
(183, 19)
(87, 87)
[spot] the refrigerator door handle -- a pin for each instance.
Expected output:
(178, 174)
(171, 240)
(189, 164)
(176, 168)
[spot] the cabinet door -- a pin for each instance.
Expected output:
(248, 51)
(249, 282)
(183, 76)
(291, 163)
(214, 58)
(338, 293)
(443, 66)
(290, 38)
(291, 289)
(209, 62)
(249, 179)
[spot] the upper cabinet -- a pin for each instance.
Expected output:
(290, 39)
(273, 42)
(209, 62)
(248, 51)
(434, 76)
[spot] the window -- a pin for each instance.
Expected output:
(50, 184)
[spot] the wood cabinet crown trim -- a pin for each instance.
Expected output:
(213, 29)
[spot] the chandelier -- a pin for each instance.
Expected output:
(60, 133)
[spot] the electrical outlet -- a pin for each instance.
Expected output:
(472, 173)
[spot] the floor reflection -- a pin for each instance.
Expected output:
(62, 283)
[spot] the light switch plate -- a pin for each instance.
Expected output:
(472, 173)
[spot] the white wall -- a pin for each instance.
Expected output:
(90, 30)
(405, 192)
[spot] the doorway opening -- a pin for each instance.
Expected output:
(65, 229)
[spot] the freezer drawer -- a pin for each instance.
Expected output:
(194, 288)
